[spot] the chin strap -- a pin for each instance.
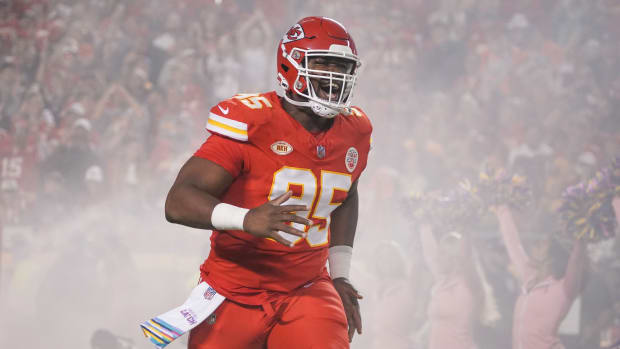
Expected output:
(294, 102)
(318, 108)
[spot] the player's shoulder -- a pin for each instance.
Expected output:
(236, 116)
(359, 120)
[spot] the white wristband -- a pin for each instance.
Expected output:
(340, 261)
(228, 217)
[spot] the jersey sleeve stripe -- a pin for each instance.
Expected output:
(356, 112)
(228, 122)
(225, 130)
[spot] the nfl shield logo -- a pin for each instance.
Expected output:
(320, 151)
(209, 293)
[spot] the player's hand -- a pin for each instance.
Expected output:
(350, 297)
(267, 219)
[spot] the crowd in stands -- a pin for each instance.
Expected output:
(102, 101)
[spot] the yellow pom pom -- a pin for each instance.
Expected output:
(582, 233)
(466, 185)
(516, 179)
(594, 207)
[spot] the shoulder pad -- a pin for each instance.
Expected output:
(361, 120)
(233, 117)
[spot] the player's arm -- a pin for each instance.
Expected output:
(342, 228)
(193, 200)
(195, 192)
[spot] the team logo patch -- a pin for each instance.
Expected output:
(281, 148)
(295, 33)
(351, 159)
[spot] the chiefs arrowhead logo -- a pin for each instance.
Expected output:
(295, 33)
(350, 160)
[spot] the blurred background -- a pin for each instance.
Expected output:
(101, 102)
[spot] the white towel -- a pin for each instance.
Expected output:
(165, 328)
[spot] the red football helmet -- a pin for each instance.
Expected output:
(317, 37)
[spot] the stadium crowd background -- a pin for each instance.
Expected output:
(102, 101)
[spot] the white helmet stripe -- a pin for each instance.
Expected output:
(340, 48)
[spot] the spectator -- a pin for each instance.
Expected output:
(73, 159)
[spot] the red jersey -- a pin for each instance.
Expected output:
(268, 153)
(18, 166)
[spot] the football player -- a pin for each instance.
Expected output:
(277, 183)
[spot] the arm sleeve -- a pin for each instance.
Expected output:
(516, 252)
(429, 249)
(573, 278)
(224, 152)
